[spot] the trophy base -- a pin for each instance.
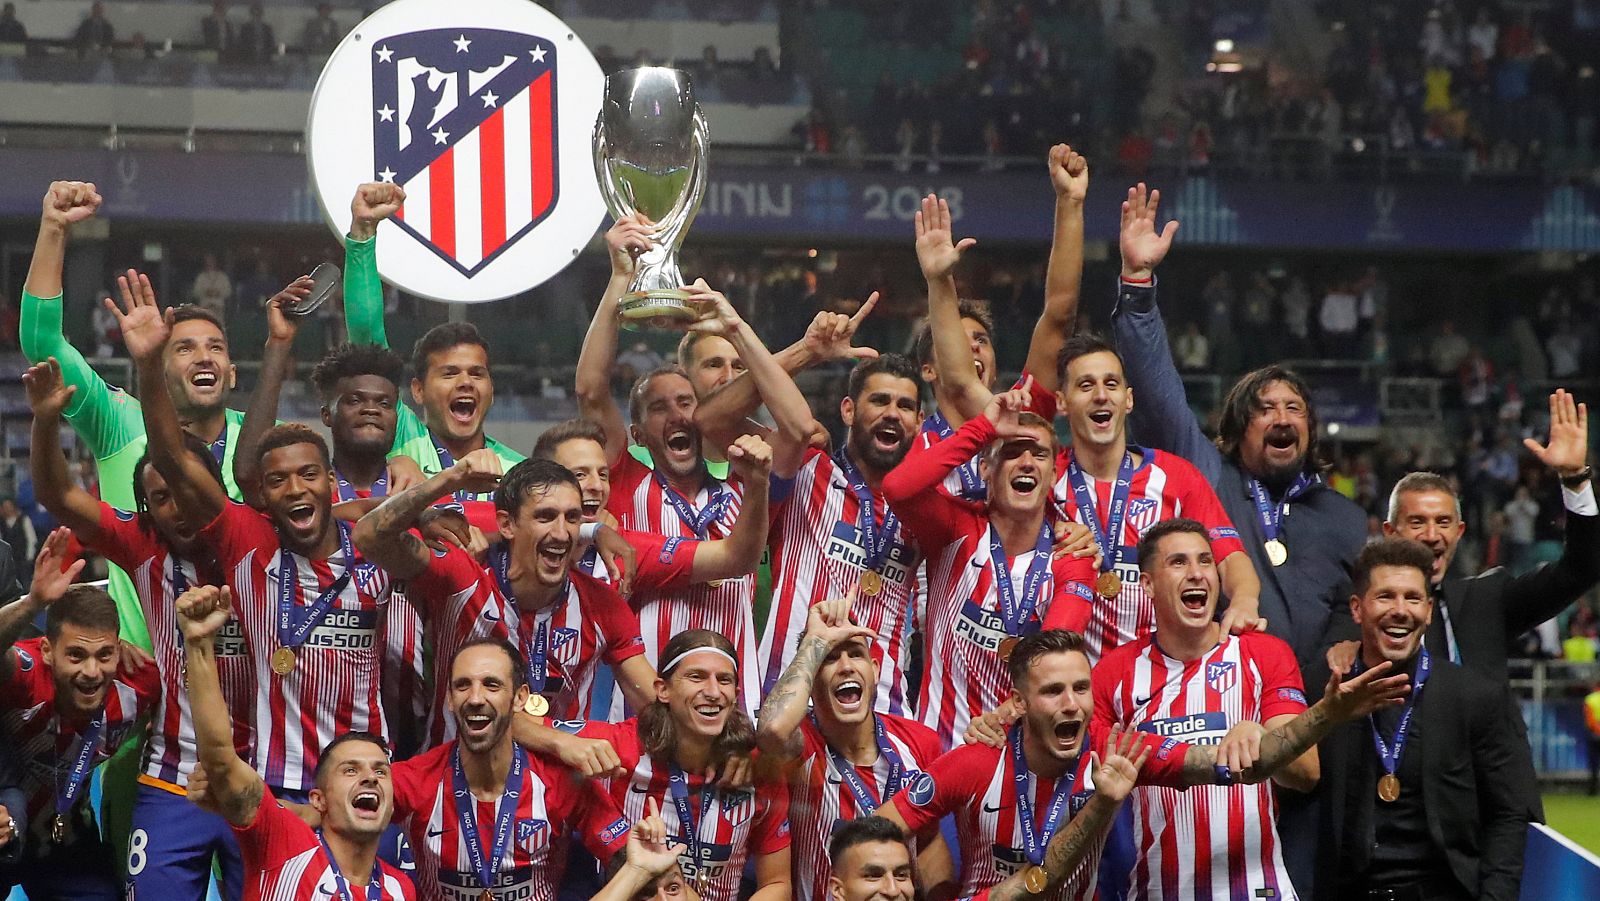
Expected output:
(662, 309)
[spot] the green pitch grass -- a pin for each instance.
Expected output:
(1575, 816)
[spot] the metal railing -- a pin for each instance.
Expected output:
(1551, 693)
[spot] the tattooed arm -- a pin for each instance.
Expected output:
(384, 536)
(1114, 779)
(1343, 701)
(232, 787)
(827, 626)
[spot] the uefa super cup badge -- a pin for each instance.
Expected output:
(482, 111)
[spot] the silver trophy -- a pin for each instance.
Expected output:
(650, 146)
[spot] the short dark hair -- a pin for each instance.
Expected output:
(350, 360)
(346, 738)
(532, 474)
(1049, 641)
(196, 447)
(443, 337)
(686, 346)
(1419, 481)
(642, 385)
(1390, 551)
(1244, 399)
(897, 365)
(519, 666)
(85, 606)
(289, 434)
(1082, 345)
(868, 830)
(976, 310)
(1151, 539)
(189, 312)
(1032, 420)
(562, 432)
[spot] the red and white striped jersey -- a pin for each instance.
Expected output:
(662, 562)
(462, 601)
(335, 685)
(976, 783)
(284, 861)
(1164, 486)
(1212, 841)
(727, 607)
(818, 554)
(936, 428)
(39, 741)
(963, 674)
(554, 801)
(169, 753)
(737, 824)
(404, 683)
(819, 799)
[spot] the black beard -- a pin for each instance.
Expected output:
(868, 455)
(1277, 479)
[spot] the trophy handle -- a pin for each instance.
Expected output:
(615, 203)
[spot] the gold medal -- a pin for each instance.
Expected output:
(714, 584)
(1035, 880)
(537, 705)
(1389, 788)
(702, 882)
(1277, 553)
(871, 583)
(58, 830)
(283, 661)
(1007, 645)
(486, 895)
(1109, 585)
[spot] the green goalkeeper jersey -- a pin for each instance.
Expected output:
(111, 423)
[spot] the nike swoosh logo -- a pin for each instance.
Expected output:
(987, 808)
(491, 617)
(1140, 702)
(637, 790)
(435, 833)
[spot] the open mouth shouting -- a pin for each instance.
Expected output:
(366, 804)
(463, 411)
(477, 723)
(1195, 600)
(1101, 419)
(847, 696)
(88, 695)
(1025, 485)
(553, 557)
(591, 508)
(302, 516)
(1067, 736)
(983, 371)
(1282, 443)
(887, 437)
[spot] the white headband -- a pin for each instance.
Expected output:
(673, 663)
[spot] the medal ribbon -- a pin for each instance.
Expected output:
(1017, 612)
(504, 812)
(1033, 841)
(1390, 756)
(446, 460)
(1083, 498)
(1271, 514)
(536, 649)
(972, 487)
(347, 491)
(877, 543)
(688, 824)
(82, 758)
(374, 886)
(866, 803)
(293, 634)
(699, 522)
(219, 447)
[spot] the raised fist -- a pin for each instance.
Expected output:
(70, 201)
(374, 202)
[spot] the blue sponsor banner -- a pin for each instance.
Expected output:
(1555, 867)
(846, 205)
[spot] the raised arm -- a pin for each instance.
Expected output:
(1342, 701)
(384, 535)
(1069, 175)
(74, 507)
(650, 855)
(784, 709)
(724, 414)
(937, 254)
(276, 362)
(740, 553)
(145, 330)
(104, 424)
(233, 787)
(788, 406)
(50, 581)
(1161, 416)
(363, 290)
(625, 240)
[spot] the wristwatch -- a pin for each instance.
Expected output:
(1577, 479)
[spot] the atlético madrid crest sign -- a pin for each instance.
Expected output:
(483, 111)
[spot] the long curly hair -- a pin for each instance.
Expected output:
(658, 731)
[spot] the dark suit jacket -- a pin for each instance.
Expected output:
(1323, 530)
(1476, 789)
(1490, 611)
